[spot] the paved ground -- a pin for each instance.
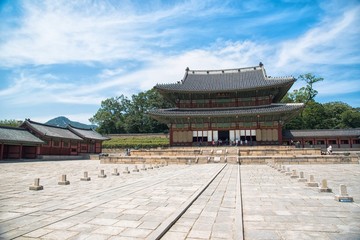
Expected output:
(141, 204)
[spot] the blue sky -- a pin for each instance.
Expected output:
(62, 58)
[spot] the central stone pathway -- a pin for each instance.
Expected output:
(216, 214)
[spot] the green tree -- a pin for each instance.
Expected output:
(350, 119)
(333, 112)
(304, 94)
(10, 123)
(313, 116)
(110, 116)
(309, 90)
(121, 115)
(137, 120)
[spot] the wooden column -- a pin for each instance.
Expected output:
(171, 135)
(280, 139)
(2, 151)
(20, 151)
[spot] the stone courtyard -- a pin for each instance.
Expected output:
(198, 201)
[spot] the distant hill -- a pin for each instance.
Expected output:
(64, 121)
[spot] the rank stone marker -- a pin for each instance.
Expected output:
(135, 169)
(102, 174)
(63, 180)
(126, 170)
(302, 179)
(143, 167)
(344, 196)
(115, 173)
(288, 173)
(283, 170)
(86, 177)
(311, 182)
(279, 168)
(294, 174)
(157, 166)
(36, 186)
(324, 186)
(150, 166)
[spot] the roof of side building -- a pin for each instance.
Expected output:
(51, 131)
(328, 133)
(87, 133)
(12, 135)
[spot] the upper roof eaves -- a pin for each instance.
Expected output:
(18, 136)
(52, 131)
(240, 79)
(87, 133)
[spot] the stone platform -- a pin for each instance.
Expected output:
(242, 155)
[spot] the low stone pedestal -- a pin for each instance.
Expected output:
(63, 180)
(115, 173)
(102, 174)
(301, 178)
(343, 196)
(135, 169)
(294, 174)
(126, 170)
(324, 186)
(311, 182)
(36, 186)
(288, 172)
(86, 177)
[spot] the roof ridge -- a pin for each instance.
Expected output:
(43, 124)
(244, 69)
(14, 128)
(80, 128)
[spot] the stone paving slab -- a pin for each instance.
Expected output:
(130, 206)
(213, 215)
(278, 207)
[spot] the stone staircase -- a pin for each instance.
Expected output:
(230, 154)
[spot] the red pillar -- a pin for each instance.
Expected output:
(20, 151)
(2, 151)
(171, 135)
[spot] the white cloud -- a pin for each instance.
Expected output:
(76, 31)
(334, 41)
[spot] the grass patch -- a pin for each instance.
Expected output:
(136, 142)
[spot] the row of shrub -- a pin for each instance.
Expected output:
(143, 142)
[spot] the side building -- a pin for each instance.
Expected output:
(58, 140)
(228, 106)
(17, 143)
(323, 138)
(92, 140)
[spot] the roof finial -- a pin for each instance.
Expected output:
(261, 64)
(187, 69)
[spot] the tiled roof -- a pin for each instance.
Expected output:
(273, 108)
(226, 80)
(328, 133)
(51, 131)
(87, 133)
(12, 135)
